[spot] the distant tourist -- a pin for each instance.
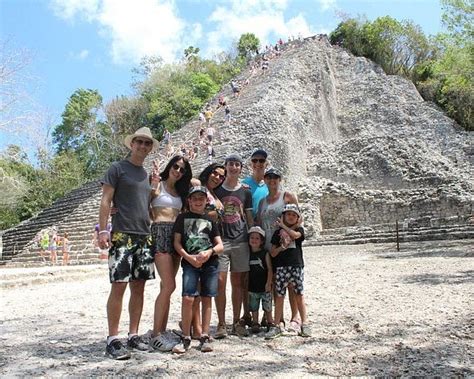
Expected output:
(227, 116)
(126, 184)
(53, 246)
(66, 249)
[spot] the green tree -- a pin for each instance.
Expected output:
(248, 45)
(83, 133)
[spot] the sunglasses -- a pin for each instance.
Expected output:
(146, 142)
(259, 160)
(178, 168)
(220, 176)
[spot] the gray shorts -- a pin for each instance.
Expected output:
(235, 255)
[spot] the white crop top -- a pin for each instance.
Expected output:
(164, 199)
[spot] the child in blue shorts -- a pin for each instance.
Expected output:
(197, 240)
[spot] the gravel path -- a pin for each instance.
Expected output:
(374, 311)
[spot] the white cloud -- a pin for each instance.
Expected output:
(327, 4)
(135, 29)
(81, 55)
(263, 18)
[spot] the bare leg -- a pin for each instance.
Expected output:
(245, 294)
(196, 320)
(236, 279)
(187, 314)
(166, 270)
(206, 314)
(114, 307)
(279, 307)
(221, 297)
(301, 308)
(293, 304)
(135, 304)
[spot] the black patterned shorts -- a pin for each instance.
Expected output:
(289, 275)
(162, 237)
(130, 258)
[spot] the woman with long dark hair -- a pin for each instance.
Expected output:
(170, 189)
(212, 177)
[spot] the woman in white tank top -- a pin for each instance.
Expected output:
(170, 188)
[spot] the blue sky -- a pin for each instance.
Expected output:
(95, 43)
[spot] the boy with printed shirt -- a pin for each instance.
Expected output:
(288, 261)
(197, 240)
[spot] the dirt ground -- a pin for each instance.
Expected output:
(373, 311)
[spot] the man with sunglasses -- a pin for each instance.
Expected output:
(237, 218)
(126, 185)
(257, 185)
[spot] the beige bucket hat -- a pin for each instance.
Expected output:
(142, 132)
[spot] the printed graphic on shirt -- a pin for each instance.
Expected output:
(233, 209)
(197, 234)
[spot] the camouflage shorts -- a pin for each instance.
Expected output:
(130, 258)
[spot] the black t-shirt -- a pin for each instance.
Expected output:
(197, 234)
(293, 256)
(258, 271)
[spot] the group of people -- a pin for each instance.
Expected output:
(209, 225)
(50, 242)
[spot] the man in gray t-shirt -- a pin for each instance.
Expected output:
(126, 185)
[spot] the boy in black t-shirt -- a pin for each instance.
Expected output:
(288, 262)
(197, 240)
(260, 278)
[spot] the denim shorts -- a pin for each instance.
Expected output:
(254, 301)
(130, 258)
(206, 275)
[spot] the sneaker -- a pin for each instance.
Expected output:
(137, 343)
(305, 331)
(116, 350)
(182, 347)
(205, 344)
(264, 322)
(273, 332)
(247, 320)
(163, 343)
(221, 331)
(147, 336)
(255, 328)
(240, 329)
(294, 326)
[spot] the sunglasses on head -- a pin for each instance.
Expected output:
(145, 142)
(178, 168)
(258, 160)
(220, 176)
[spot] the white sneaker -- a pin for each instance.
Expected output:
(162, 343)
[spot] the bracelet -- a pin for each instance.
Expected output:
(104, 231)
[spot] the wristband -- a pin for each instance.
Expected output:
(213, 252)
(103, 232)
